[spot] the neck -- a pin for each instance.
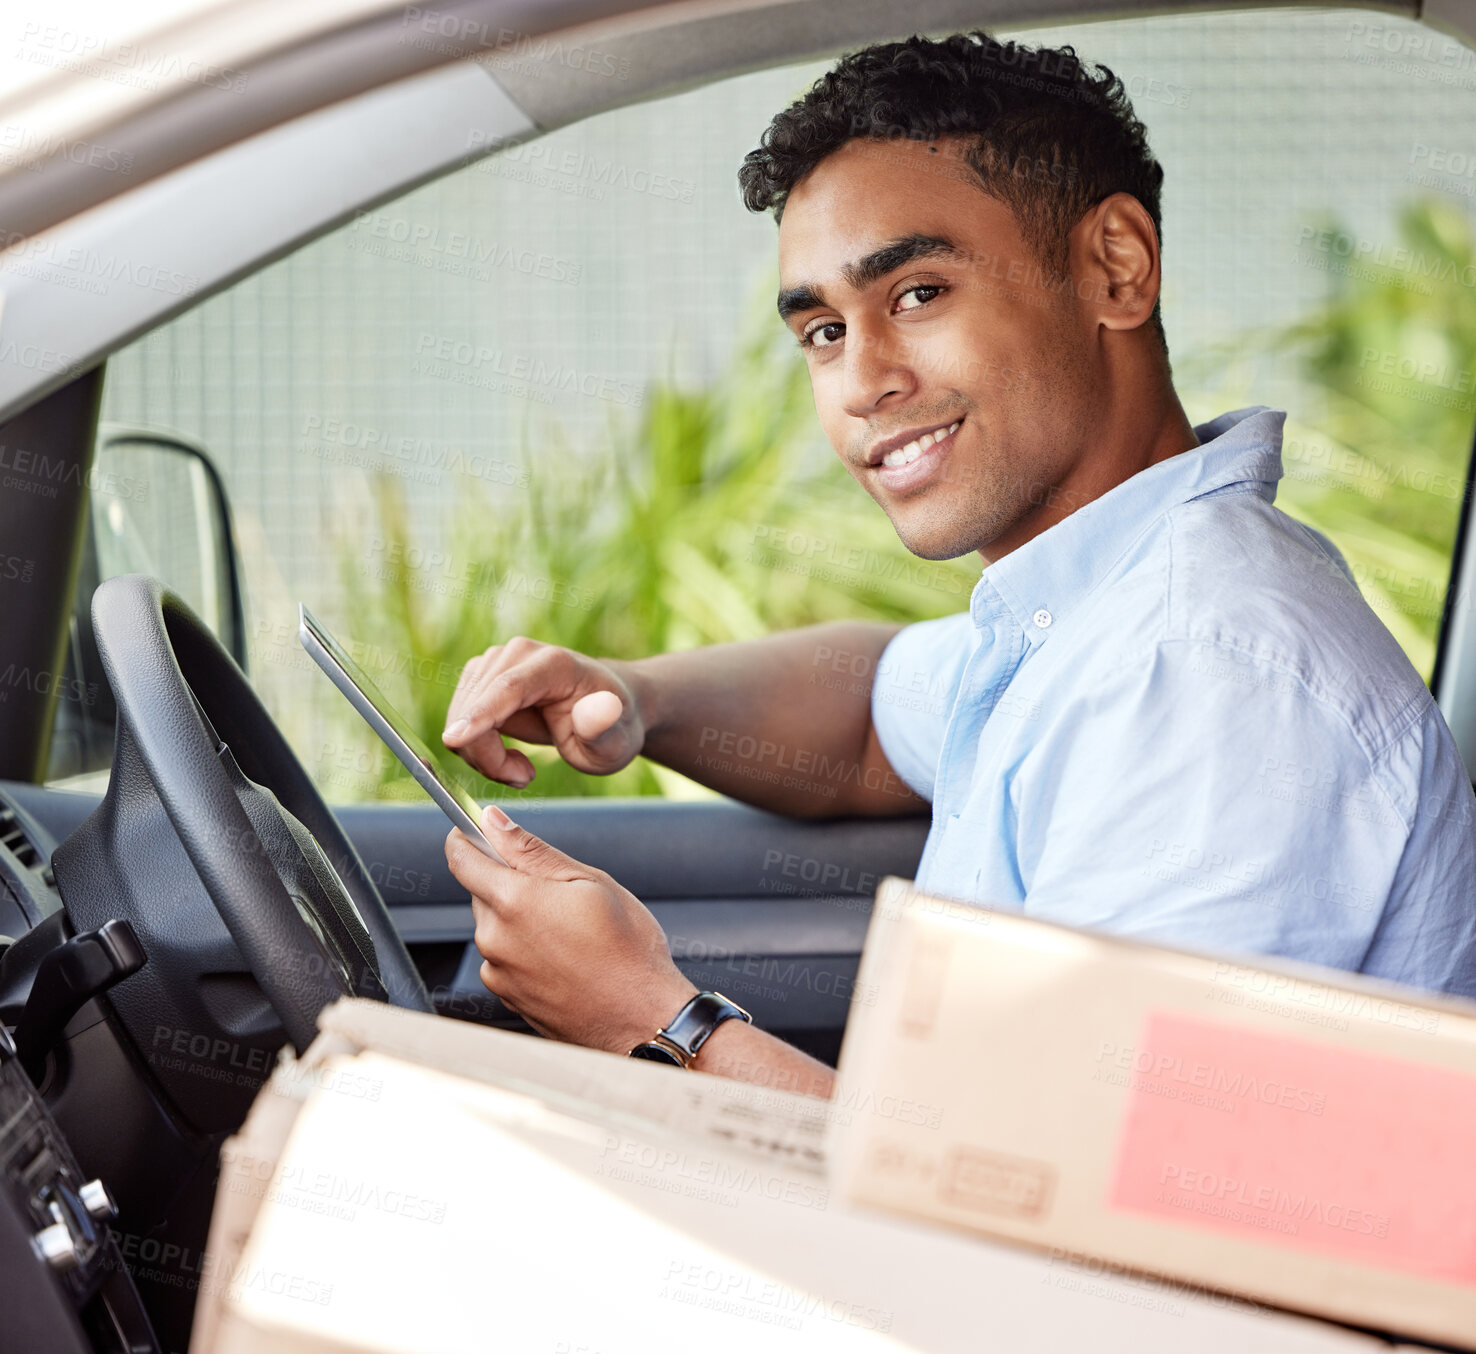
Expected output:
(1132, 438)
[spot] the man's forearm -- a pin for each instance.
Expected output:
(782, 722)
(746, 1053)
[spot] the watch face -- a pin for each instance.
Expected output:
(655, 1053)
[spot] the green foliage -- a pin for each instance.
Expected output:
(716, 515)
(1378, 459)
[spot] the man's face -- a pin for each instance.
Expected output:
(921, 309)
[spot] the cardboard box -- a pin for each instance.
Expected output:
(425, 1186)
(1283, 1132)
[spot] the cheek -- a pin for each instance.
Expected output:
(826, 392)
(980, 360)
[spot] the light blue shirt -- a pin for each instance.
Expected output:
(1173, 716)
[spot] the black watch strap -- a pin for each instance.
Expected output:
(695, 1022)
(690, 1028)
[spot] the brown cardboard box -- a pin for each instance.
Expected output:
(425, 1186)
(1288, 1133)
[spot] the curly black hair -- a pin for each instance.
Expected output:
(1053, 135)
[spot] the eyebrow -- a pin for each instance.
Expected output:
(862, 272)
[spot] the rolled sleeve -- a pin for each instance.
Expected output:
(917, 681)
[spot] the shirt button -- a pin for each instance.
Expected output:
(1042, 619)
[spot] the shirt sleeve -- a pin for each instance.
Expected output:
(917, 681)
(1201, 798)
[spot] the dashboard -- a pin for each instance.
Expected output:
(63, 1284)
(28, 893)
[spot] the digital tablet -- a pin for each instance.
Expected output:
(391, 726)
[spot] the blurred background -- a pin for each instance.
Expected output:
(548, 395)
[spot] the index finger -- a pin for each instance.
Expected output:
(472, 674)
(535, 682)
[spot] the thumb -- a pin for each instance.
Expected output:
(526, 853)
(596, 714)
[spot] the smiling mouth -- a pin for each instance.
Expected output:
(906, 455)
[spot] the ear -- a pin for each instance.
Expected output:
(1114, 251)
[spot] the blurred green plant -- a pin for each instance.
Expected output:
(717, 515)
(1377, 458)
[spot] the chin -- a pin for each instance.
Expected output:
(933, 544)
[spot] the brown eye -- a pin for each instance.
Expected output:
(824, 335)
(923, 293)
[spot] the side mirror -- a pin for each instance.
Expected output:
(157, 506)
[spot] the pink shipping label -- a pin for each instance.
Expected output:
(1300, 1144)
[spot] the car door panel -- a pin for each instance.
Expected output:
(772, 911)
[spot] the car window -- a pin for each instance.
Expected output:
(548, 394)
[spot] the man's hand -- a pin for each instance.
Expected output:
(580, 959)
(571, 951)
(542, 693)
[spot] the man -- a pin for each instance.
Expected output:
(1167, 711)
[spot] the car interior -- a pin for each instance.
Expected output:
(433, 359)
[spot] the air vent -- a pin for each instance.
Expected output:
(13, 838)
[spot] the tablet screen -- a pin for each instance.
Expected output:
(392, 727)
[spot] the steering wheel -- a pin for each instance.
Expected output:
(194, 740)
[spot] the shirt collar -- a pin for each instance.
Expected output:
(1041, 582)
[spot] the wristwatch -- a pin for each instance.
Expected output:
(689, 1029)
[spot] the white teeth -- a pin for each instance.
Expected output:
(906, 455)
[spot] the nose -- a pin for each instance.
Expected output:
(877, 371)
